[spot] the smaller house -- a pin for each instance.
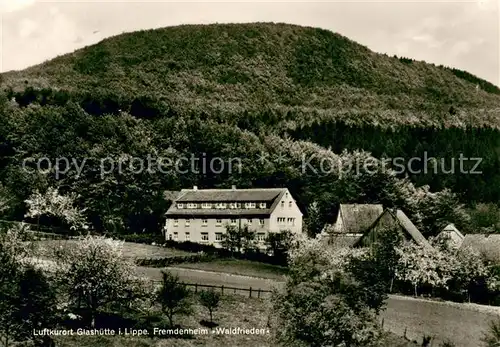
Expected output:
(392, 219)
(488, 245)
(352, 221)
(356, 218)
(451, 235)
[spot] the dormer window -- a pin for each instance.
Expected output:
(192, 205)
(250, 204)
(206, 205)
(238, 205)
(180, 205)
(232, 205)
(262, 205)
(221, 205)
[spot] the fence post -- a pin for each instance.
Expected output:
(222, 289)
(250, 295)
(258, 293)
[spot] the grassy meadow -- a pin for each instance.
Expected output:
(46, 248)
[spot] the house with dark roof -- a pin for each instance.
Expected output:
(394, 220)
(352, 221)
(488, 245)
(201, 215)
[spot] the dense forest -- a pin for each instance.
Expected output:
(290, 94)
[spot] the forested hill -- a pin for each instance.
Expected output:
(293, 73)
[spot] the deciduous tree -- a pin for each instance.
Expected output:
(320, 305)
(210, 299)
(420, 264)
(27, 295)
(52, 203)
(94, 274)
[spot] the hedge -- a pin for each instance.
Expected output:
(164, 262)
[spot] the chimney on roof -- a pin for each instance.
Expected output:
(233, 187)
(195, 187)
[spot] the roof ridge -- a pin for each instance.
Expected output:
(361, 204)
(230, 189)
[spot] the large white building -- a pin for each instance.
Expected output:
(201, 215)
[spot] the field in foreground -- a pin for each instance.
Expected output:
(459, 322)
(235, 312)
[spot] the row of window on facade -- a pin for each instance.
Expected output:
(218, 222)
(204, 236)
(222, 205)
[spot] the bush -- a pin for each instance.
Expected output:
(173, 297)
(492, 336)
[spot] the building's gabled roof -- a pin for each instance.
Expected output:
(452, 229)
(486, 244)
(408, 225)
(399, 219)
(229, 195)
(357, 218)
(272, 196)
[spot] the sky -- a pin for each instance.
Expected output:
(460, 34)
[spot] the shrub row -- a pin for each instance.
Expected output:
(194, 247)
(141, 238)
(164, 262)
